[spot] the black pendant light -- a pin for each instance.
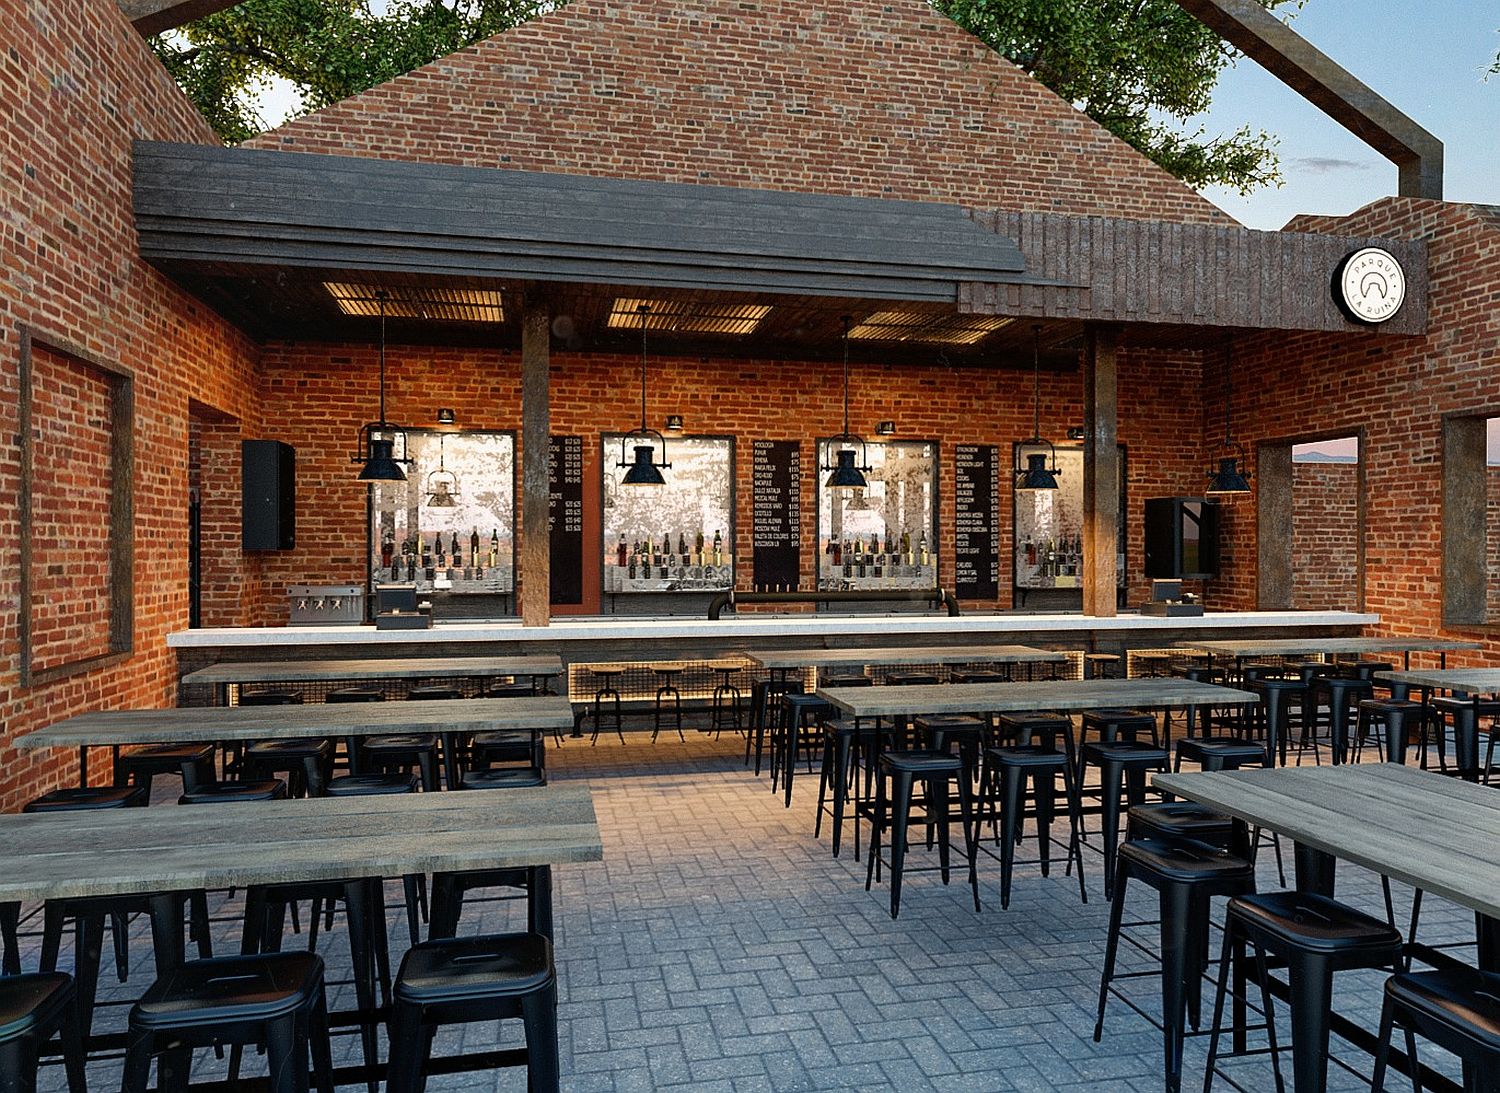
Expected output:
(1229, 480)
(442, 484)
(843, 472)
(377, 439)
(1039, 473)
(643, 470)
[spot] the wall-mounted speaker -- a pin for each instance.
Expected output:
(268, 495)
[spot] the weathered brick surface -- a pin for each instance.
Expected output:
(77, 85)
(880, 99)
(1325, 536)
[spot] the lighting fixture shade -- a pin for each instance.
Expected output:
(674, 423)
(1037, 475)
(380, 464)
(885, 428)
(441, 494)
(1229, 481)
(446, 416)
(644, 471)
(845, 475)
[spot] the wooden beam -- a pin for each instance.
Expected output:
(1299, 64)
(1464, 521)
(1273, 526)
(536, 447)
(154, 16)
(1101, 472)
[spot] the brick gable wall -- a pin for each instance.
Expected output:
(883, 99)
(78, 84)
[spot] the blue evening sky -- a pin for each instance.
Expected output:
(1427, 57)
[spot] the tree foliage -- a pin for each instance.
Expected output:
(327, 49)
(1141, 68)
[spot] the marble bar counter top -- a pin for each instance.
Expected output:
(747, 628)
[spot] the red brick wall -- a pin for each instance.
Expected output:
(316, 396)
(1397, 390)
(77, 85)
(880, 99)
(1325, 536)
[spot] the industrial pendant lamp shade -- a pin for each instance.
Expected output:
(1230, 480)
(1040, 472)
(843, 472)
(377, 443)
(442, 484)
(643, 470)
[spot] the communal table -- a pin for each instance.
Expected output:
(786, 660)
(1437, 834)
(1477, 682)
(1067, 695)
(166, 853)
(1243, 649)
(352, 671)
(210, 724)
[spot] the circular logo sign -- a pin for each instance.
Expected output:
(1370, 285)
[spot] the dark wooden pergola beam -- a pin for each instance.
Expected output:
(1299, 64)
(154, 16)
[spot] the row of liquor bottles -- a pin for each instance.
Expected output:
(1052, 557)
(856, 552)
(418, 556)
(645, 555)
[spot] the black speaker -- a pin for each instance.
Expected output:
(1182, 538)
(268, 496)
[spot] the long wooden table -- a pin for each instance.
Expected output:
(1243, 649)
(209, 724)
(789, 659)
(165, 853)
(1434, 833)
(1066, 695)
(356, 670)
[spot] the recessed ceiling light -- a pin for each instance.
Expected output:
(687, 316)
(916, 326)
(437, 303)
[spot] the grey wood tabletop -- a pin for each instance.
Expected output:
(104, 728)
(323, 671)
(1066, 695)
(1432, 832)
(1484, 681)
(949, 654)
(1291, 647)
(165, 849)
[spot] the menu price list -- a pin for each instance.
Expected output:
(977, 509)
(776, 495)
(565, 518)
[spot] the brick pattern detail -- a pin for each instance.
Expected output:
(877, 99)
(1325, 536)
(78, 84)
(1397, 390)
(317, 396)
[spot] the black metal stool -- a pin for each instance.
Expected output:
(1152, 665)
(355, 694)
(275, 999)
(1316, 936)
(1176, 820)
(1343, 694)
(860, 680)
(1122, 772)
(944, 732)
(1186, 875)
(269, 789)
(801, 714)
(34, 1008)
(666, 687)
(1023, 728)
(833, 781)
(459, 981)
(434, 692)
(765, 707)
(307, 761)
(402, 751)
(935, 771)
(193, 763)
(973, 675)
(911, 679)
(508, 689)
(89, 799)
(1466, 714)
(1397, 717)
(270, 698)
(1456, 1008)
(607, 678)
(725, 705)
(1006, 770)
(1277, 697)
(414, 885)
(10, 941)
(1101, 665)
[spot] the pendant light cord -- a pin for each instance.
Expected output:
(846, 375)
(644, 311)
(380, 298)
(1036, 381)
(1228, 391)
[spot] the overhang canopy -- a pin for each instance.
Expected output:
(198, 204)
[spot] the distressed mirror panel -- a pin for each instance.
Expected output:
(884, 536)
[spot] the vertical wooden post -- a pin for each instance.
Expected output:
(1273, 526)
(1101, 473)
(1464, 521)
(535, 543)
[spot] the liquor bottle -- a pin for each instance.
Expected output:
(718, 548)
(620, 551)
(387, 549)
(474, 545)
(682, 547)
(455, 552)
(698, 558)
(630, 569)
(905, 548)
(836, 549)
(426, 553)
(411, 567)
(494, 548)
(922, 548)
(874, 544)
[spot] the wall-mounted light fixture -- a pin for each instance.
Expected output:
(446, 416)
(885, 428)
(674, 423)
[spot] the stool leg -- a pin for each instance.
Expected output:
(971, 835)
(1075, 828)
(677, 712)
(361, 954)
(10, 921)
(539, 1013)
(1177, 959)
(1044, 786)
(319, 1043)
(71, 1035)
(1382, 1053)
(877, 825)
(824, 775)
(1111, 950)
(900, 820)
(408, 1039)
(1109, 818)
(842, 752)
(137, 1073)
(1311, 982)
(282, 1056)
(1010, 817)
(89, 944)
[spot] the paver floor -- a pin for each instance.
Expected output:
(720, 947)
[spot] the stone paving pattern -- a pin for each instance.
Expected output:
(719, 947)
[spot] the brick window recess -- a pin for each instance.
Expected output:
(76, 506)
(1325, 536)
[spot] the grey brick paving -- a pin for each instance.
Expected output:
(719, 947)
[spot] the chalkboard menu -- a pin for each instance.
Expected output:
(976, 573)
(777, 513)
(565, 518)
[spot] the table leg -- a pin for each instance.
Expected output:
(167, 940)
(1466, 743)
(83, 766)
(1487, 933)
(1315, 870)
(539, 900)
(359, 907)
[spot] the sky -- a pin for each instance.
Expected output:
(1427, 57)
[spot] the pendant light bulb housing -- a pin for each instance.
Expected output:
(376, 451)
(1040, 472)
(1230, 479)
(844, 473)
(442, 484)
(643, 470)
